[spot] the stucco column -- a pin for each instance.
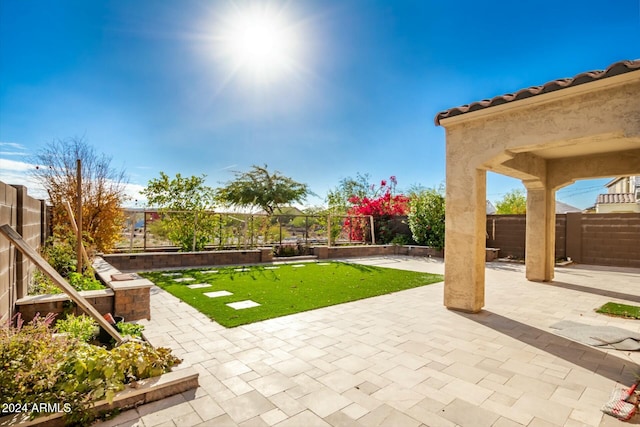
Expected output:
(465, 236)
(541, 234)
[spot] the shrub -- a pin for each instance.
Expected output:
(383, 208)
(85, 282)
(38, 366)
(131, 329)
(426, 218)
(80, 327)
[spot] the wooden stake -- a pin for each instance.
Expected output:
(79, 246)
(74, 226)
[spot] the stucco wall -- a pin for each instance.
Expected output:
(617, 207)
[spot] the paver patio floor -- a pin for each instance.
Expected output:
(403, 359)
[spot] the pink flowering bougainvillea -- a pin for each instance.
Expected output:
(383, 207)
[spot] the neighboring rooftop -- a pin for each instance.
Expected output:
(563, 208)
(614, 69)
(615, 198)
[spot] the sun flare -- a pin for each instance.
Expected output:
(259, 42)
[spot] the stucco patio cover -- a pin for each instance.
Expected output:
(548, 136)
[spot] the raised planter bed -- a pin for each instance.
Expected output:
(146, 391)
(126, 295)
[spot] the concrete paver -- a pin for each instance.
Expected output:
(403, 359)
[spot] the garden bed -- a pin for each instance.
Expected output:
(125, 295)
(145, 391)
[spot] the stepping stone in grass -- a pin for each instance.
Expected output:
(199, 285)
(240, 305)
(271, 268)
(241, 269)
(323, 263)
(171, 274)
(208, 271)
(184, 279)
(298, 265)
(217, 294)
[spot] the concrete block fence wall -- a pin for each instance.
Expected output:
(599, 239)
(28, 216)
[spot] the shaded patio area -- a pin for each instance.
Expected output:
(403, 359)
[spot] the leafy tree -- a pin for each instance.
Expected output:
(360, 187)
(185, 204)
(259, 187)
(426, 217)
(103, 190)
(514, 202)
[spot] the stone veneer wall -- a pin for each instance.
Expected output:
(177, 260)
(61, 304)
(161, 260)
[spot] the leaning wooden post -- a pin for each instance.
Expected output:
(50, 272)
(79, 209)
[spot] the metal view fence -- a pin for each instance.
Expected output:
(153, 229)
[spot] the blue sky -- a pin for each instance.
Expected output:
(156, 84)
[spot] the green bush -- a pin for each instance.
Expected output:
(37, 366)
(85, 282)
(61, 255)
(130, 329)
(426, 217)
(81, 327)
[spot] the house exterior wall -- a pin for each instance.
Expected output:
(617, 207)
(626, 184)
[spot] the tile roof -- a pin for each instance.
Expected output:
(614, 69)
(615, 198)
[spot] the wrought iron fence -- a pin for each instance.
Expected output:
(147, 229)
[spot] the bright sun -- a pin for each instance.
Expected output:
(259, 42)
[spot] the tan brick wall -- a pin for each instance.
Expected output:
(25, 215)
(611, 239)
(8, 215)
(507, 232)
(599, 239)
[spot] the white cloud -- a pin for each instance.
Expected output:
(14, 165)
(12, 149)
(13, 145)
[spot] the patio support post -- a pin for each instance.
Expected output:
(540, 234)
(465, 235)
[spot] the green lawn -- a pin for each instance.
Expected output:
(620, 310)
(286, 289)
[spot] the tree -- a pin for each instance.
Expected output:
(185, 204)
(426, 217)
(514, 202)
(103, 190)
(338, 198)
(264, 189)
